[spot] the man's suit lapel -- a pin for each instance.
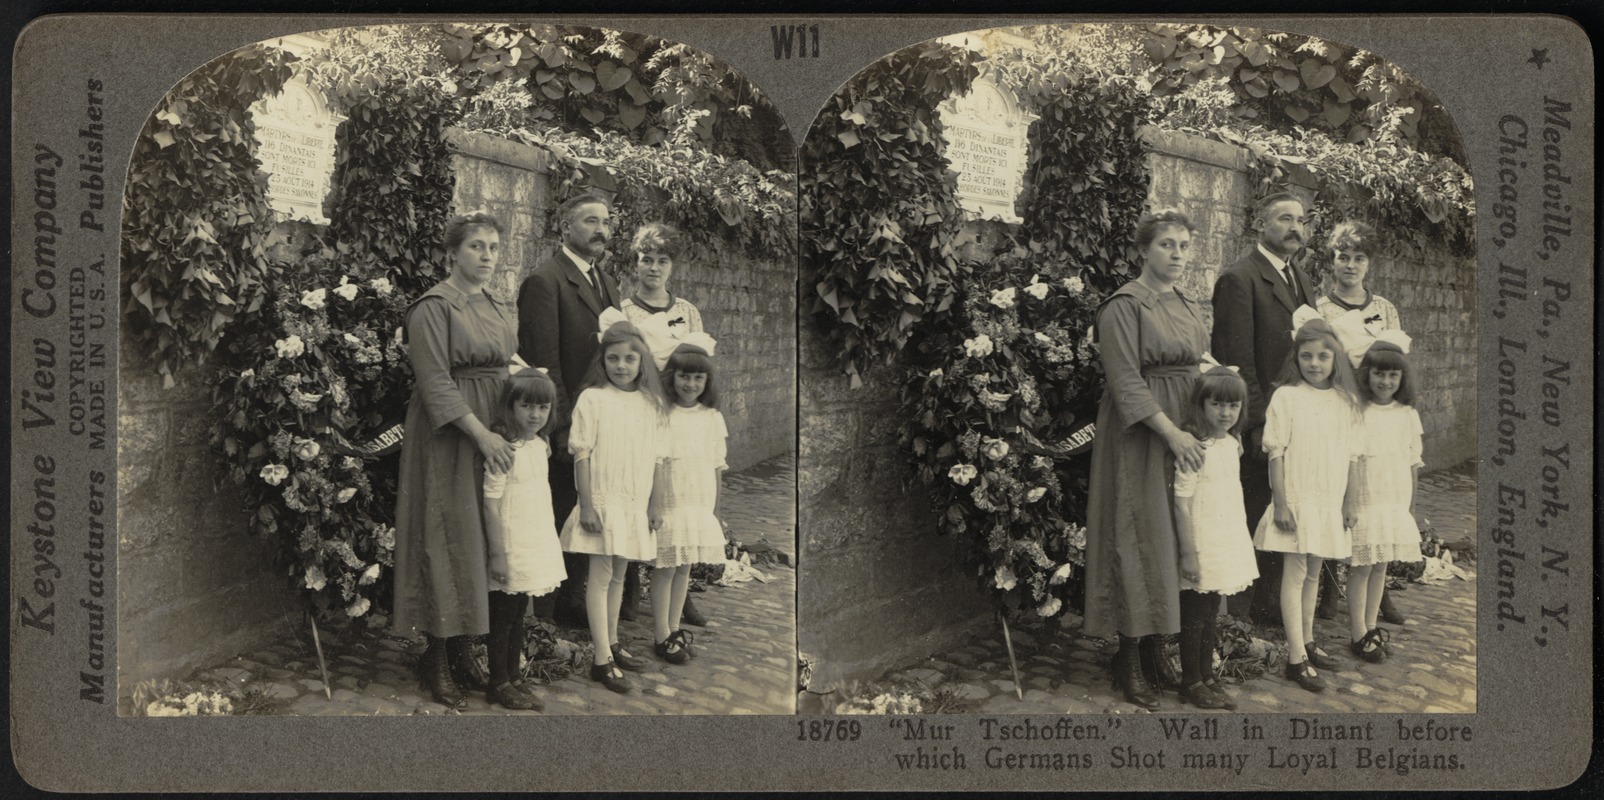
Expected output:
(1278, 287)
(582, 287)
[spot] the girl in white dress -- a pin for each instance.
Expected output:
(1385, 495)
(1215, 559)
(691, 533)
(525, 558)
(1311, 435)
(618, 441)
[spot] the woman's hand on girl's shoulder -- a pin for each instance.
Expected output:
(497, 452)
(1188, 451)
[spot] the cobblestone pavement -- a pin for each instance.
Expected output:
(1432, 670)
(744, 662)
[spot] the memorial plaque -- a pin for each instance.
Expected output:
(985, 131)
(295, 142)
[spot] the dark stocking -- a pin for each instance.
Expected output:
(1195, 608)
(1211, 634)
(517, 636)
(496, 642)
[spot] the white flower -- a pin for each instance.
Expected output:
(314, 578)
(1061, 574)
(1074, 285)
(962, 474)
(1003, 298)
(369, 575)
(936, 373)
(346, 290)
(1050, 608)
(274, 474)
(289, 348)
(250, 373)
(306, 449)
(995, 400)
(314, 299)
(1037, 290)
(345, 494)
(978, 347)
(382, 286)
(995, 448)
(384, 536)
(358, 608)
(1035, 494)
(1004, 579)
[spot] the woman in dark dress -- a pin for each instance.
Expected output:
(1150, 339)
(459, 340)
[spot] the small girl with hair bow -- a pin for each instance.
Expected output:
(618, 441)
(691, 533)
(1215, 559)
(1311, 437)
(1385, 529)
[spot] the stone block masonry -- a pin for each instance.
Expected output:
(194, 586)
(879, 586)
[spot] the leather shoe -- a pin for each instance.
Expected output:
(1390, 613)
(512, 697)
(1219, 689)
(692, 615)
(1202, 695)
(1303, 675)
(671, 651)
(609, 675)
(625, 660)
(1318, 658)
(1371, 646)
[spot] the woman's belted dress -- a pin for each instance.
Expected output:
(459, 345)
(1150, 345)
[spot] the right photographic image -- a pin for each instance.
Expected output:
(1137, 371)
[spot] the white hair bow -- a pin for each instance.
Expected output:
(1396, 338)
(1302, 316)
(1209, 363)
(700, 339)
(609, 317)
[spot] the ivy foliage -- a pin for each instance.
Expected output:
(196, 217)
(1086, 177)
(878, 212)
(719, 201)
(592, 81)
(1418, 202)
(393, 184)
(1288, 81)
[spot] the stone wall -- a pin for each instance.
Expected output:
(193, 586)
(880, 588)
(746, 304)
(1435, 294)
(196, 588)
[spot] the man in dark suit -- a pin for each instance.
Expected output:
(558, 305)
(1253, 304)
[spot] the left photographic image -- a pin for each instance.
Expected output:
(458, 376)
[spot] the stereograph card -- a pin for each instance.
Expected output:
(847, 645)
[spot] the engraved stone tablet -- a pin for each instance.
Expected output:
(985, 132)
(295, 141)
